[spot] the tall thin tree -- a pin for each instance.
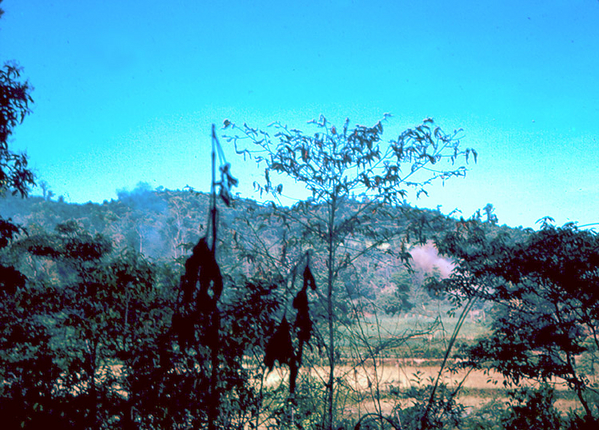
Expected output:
(354, 181)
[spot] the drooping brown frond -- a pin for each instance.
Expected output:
(280, 346)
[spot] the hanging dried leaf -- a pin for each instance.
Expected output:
(189, 279)
(302, 320)
(309, 278)
(279, 347)
(211, 279)
(183, 328)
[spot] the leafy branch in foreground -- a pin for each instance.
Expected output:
(15, 99)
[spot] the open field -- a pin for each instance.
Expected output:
(392, 380)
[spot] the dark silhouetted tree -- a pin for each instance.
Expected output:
(15, 98)
(545, 291)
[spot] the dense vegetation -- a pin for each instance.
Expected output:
(177, 309)
(88, 339)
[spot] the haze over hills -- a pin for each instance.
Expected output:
(164, 225)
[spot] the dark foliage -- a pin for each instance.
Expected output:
(280, 346)
(14, 106)
(532, 409)
(544, 287)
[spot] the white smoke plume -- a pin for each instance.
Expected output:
(426, 257)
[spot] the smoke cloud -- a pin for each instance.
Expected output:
(426, 257)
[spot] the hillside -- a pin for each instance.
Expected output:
(164, 224)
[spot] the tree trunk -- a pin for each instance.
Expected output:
(329, 414)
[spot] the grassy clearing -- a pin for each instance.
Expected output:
(414, 337)
(391, 378)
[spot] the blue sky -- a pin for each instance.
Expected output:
(126, 91)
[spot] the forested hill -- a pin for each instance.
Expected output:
(163, 224)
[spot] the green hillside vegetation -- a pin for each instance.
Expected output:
(163, 225)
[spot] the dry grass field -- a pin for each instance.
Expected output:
(372, 391)
(388, 383)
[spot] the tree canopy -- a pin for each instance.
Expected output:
(15, 100)
(545, 288)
